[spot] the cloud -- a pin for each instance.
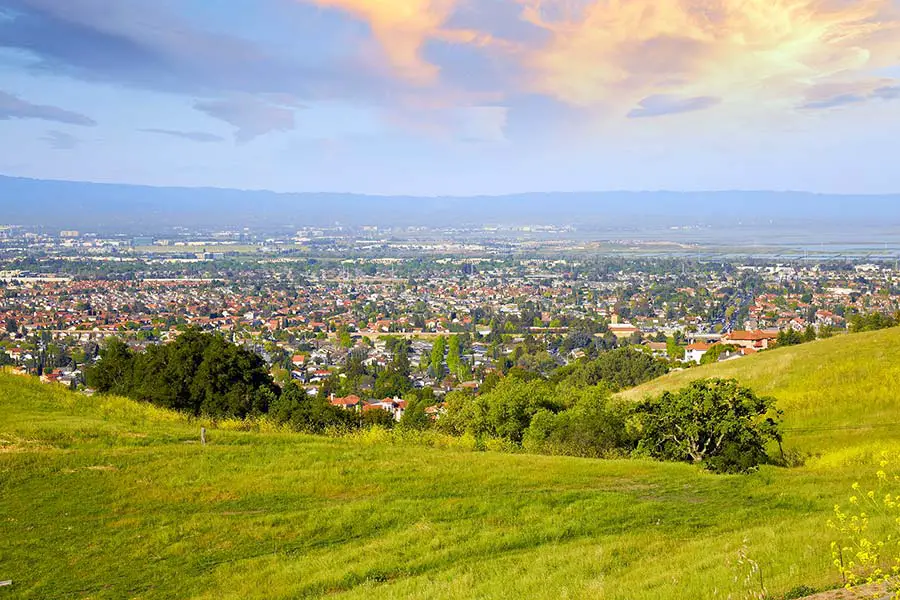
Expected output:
(608, 53)
(12, 107)
(136, 43)
(194, 136)
(60, 140)
(401, 27)
(252, 116)
(836, 101)
(590, 58)
(825, 96)
(660, 105)
(888, 92)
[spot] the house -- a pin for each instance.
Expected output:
(757, 340)
(659, 349)
(696, 351)
(623, 330)
(435, 412)
(348, 403)
(395, 406)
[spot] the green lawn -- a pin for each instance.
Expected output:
(103, 498)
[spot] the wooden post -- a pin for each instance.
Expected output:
(203, 435)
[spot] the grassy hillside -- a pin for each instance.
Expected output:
(839, 395)
(104, 498)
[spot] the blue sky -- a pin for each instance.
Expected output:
(454, 96)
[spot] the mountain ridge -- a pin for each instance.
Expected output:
(59, 203)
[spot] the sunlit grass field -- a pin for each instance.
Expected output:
(104, 498)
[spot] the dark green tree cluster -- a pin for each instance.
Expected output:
(310, 414)
(394, 381)
(717, 423)
(617, 369)
(871, 322)
(791, 337)
(198, 373)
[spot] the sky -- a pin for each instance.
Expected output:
(454, 97)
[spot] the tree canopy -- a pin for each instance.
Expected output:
(716, 422)
(198, 373)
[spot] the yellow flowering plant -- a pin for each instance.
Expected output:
(868, 549)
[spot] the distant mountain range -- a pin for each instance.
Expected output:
(92, 206)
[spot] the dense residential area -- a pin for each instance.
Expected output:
(335, 326)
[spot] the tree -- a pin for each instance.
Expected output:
(309, 414)
(674, 351)
(810, 334)
(198, 373)
(113, 373)
(12, 326)
(505, 412)
(871, 322)
(620, 368)
(594, 426)
(713, 355)
(789, 337)
(344, 338)
(377, 417)
(715, 422)
(437, 356)
(454, 357)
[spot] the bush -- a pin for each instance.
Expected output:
(595, 426)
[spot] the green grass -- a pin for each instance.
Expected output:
(838, 395)
(104, 498)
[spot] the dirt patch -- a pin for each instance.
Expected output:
(102, 468)
(19, 445)
(866, 592)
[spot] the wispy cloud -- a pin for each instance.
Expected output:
(60, 140)
(888, 92)
(823, 97)
(252, 116)
(194, 136)
(12, 107)
(661, 105)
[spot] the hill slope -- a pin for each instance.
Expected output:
(104, 498)
(837, 394)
